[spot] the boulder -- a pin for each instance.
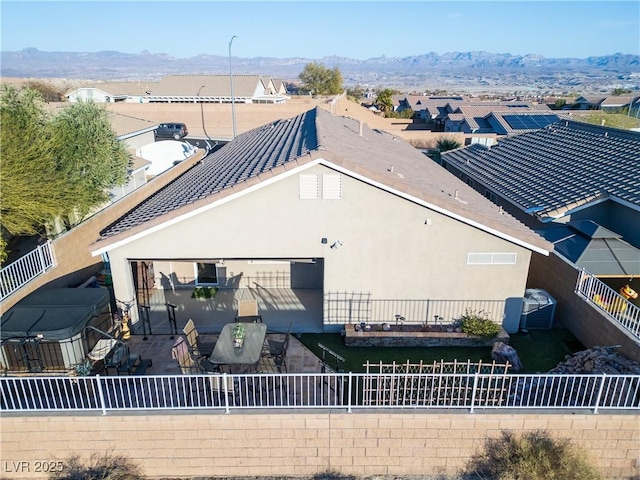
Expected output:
(503, 353)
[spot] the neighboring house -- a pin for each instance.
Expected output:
(587, 103)
(620, 104)
(576, 184)
(137, 176)
(216, 89)
(324, 204)
(426, 108)
(504, 118)
(564, 172)
(133, 133)
(274, 86)
(111, 92)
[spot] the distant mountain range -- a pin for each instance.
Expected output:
(430, 70)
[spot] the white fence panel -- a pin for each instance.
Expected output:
(610, 302)
(344, 391)
(25, 269)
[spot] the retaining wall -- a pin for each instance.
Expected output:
(303, 443)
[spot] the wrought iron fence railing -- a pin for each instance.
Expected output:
(357, 307)
(25, 269)
(609, 301)
(345, 391)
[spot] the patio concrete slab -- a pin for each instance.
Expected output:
(157, 348)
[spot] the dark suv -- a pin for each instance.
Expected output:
(172, 130)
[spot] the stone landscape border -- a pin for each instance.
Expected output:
(412, 337)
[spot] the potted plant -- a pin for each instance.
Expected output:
(83, 369)
(238, 335)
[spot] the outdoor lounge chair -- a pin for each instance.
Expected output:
(197, 347)
(248, 311)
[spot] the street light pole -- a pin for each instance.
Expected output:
(202, 111)
(233, 99)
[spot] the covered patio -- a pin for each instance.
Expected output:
(279, 307)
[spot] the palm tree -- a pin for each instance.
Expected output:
(384, 100)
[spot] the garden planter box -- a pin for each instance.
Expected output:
(416, 338)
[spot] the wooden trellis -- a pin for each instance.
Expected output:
(441, 383)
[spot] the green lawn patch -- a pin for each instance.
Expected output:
(204, 292)
(539, 351)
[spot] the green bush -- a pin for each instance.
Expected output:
(532, 456)
(478, 323)
(98, 467)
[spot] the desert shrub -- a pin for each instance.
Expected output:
(331, 475)
(99, 467)
(478, 323)
(531, 456)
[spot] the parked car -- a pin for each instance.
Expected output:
(172, 130)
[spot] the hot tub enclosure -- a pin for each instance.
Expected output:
(47, 330)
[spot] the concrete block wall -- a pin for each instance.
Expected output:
(587, 323)
(300, 444)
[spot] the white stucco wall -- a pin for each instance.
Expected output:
(391, 248)
(90, 95)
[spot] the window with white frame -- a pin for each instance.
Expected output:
(492, 258)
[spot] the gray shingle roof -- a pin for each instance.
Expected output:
(271, 149)
(556, 168)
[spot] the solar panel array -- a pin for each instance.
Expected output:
(529, 122)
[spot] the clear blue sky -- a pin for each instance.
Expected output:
(313, 30)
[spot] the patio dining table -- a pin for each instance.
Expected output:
(225, 353)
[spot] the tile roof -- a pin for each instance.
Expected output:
(619, 100)
(520, 122)
(478, 115)
(125, 125)
(126, 88)
(557, 168)
(214, 85)
(272, 149)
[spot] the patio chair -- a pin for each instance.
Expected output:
(180, 352)
(248, 311)
(220, 386)
(277, 347)
(280, 359)
(197, 347)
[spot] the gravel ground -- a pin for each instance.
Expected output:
(334, 476)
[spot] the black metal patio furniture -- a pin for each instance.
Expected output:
(197, 346)
(239, 344)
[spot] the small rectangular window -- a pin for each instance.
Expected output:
(309, 186)
(206, 273)
(491, 258)
(331, 186)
